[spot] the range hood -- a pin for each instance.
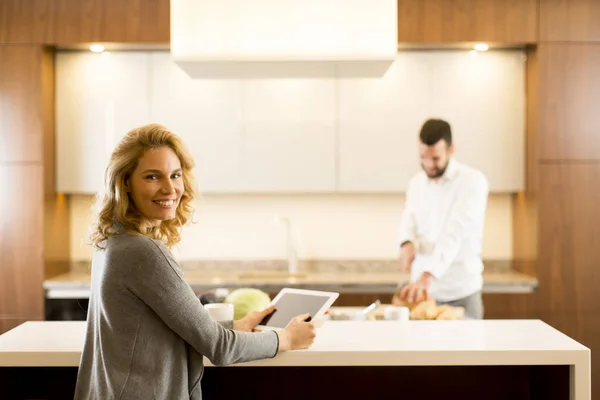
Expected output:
(245, 38)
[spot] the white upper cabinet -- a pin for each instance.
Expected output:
(255, 135)
(99, 98)
(482, 96)
(207, 115)
(318, 134)
(289, 127)
(379, 120)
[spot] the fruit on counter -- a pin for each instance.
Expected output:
(246, 300)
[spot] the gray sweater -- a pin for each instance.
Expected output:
(147, 332)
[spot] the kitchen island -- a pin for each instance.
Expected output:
(488, 359)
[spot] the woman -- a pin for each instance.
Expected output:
(147, 332)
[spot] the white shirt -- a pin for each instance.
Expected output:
(444, 219)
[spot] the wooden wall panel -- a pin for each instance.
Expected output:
(20, 104)
(21, 240)
(525, 209)
(569, 101)
(569, 171)
(27, 21)
(449, 21)
(532, 123)
(82, 21)
(57, 233)
(569, 256)
(510, 306)
(144, 21)
(57, 218)
(569, 20)
(48, 119)
(25, 98)
(570, 231)
(525, 232)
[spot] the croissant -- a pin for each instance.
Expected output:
(435, 312)
(421, 310)
(452, 313)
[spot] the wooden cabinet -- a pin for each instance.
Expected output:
(21, 239)
(21, 132)
(99, 98)
(568, 101)
(569, 21)
(75, 22)
(451, 21)
(482, 96)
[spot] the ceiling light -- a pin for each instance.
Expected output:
(97, 48)
(481, 47)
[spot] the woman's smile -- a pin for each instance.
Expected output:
(156, 185)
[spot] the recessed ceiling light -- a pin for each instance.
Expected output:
(481, 47)
(97, 48)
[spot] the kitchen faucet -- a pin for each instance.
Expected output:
(291, 246)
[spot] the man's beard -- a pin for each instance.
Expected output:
(437, 173)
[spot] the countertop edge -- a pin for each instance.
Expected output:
(563, 351)
(506, 281)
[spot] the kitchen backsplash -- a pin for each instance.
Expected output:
(244, 227)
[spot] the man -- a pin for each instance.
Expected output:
(441, 228)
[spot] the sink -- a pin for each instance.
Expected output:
(271, 275)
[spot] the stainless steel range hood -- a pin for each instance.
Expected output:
(286, 38)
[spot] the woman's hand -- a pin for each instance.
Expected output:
(250, 321)
(297, 335)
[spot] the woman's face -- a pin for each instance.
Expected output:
(156, 185)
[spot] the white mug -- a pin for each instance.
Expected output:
(394, 313)
(220, 311)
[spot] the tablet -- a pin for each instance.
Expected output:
(290, 303)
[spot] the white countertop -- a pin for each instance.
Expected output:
(347, 343)
(352, 343)
(486, 342)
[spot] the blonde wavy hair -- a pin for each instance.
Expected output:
(115, 206)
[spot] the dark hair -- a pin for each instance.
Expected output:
(434, 130)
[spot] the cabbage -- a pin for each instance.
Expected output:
(246, 300)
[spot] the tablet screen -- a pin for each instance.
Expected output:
(291, 305)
